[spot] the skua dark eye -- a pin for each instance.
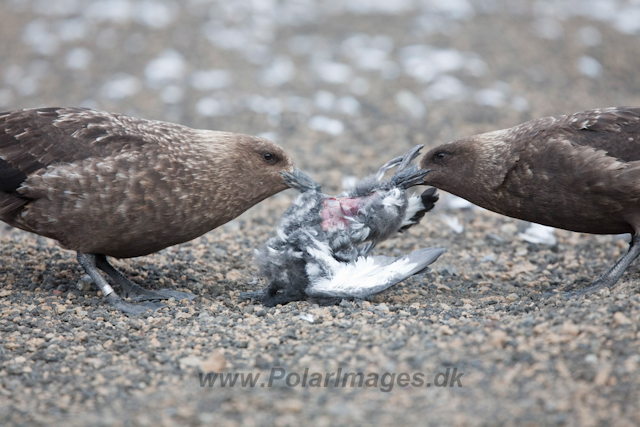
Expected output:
(269, 158)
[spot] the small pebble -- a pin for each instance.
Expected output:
(85, 283)
(621, 318)
(381, 308)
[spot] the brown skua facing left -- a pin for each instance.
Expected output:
(579, 172)
(105, 184)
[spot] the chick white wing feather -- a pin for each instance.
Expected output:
(369, 275)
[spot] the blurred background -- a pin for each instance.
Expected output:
(343, 80)
(344, 86)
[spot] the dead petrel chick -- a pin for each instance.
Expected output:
(579, 172)
(105, 184)
(320, 251)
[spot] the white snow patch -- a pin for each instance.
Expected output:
(299, 104)
(26, 80)
(326, 124)
(378, 7)
(368, 53)
(445, 87)
(211, 79)
(452, 9)
(628, 20)
(225, 38)
(279, 72)
(333, 72)
(589, 66)
(520, 103)
(121, 86)
(263, 105)
(425, 63)
(78, 58)
(39, 36)
(476, 66)
(72, 29)
(211, 107)
(410, 104)
(369, 58)
(602, 10)
(155, 14)
(490, 97)
(110, 10)
(348, 105)
(56, 7)
(324, 100)
(172, 94)
(167, 68)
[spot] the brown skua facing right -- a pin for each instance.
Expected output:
(105, 184)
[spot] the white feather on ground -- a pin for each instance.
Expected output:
(370, 275)
(453, 223)
(539, 234)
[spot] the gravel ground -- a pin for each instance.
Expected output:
(343, 86)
